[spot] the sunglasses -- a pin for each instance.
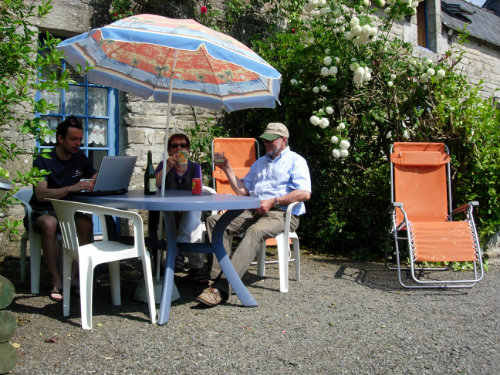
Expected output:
(175, 145)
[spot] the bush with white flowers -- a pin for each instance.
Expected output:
(350, 89)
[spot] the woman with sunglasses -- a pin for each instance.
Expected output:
(189, 226)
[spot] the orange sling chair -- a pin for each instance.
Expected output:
(422, 216)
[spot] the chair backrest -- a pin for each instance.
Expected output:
(420, 178)
(65, 211)
(241, 152)
(24, 195)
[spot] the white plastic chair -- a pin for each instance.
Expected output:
(35, 239)
(284, 253)
(105, 251)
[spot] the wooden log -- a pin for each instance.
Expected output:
(8, 357)
(8, 325)
(6, 292)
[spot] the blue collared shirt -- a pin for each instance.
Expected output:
(270, 178)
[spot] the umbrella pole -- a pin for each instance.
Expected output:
(165, 146)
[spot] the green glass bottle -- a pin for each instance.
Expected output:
(149, 176)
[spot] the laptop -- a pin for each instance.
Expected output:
(114, 176)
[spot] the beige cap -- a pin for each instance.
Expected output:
(274, 130)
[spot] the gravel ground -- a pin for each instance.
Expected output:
(343, 317)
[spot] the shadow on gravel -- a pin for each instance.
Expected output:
(375, 275)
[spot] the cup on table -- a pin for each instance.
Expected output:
(182, 157)
(219, 158)
(88, 184)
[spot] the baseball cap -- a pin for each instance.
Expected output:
(274, 130)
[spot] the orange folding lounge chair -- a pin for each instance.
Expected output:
(422, 217)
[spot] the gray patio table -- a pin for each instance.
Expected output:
(179, 200)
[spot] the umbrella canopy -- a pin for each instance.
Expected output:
(142, 54)
(177, 61)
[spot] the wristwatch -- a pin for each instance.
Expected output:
(276, 204)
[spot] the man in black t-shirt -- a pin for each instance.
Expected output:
(67, 165)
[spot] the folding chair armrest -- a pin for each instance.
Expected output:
(466, 206)
(390, 208)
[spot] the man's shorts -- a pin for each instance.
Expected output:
(36, 213)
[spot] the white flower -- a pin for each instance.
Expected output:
(321, 3)
(390, 84)
(336, 153)
(315, 89)
(333, 70)
(344, 144)
(329, 110)
(344, 153)
(428, 61)
(353, 66)
(324, 71)
(356, 30)
(336, 13)
(341, 126)
(327, 51)
(367, 2)
(314, 120)
(367, 76)
(348, 35)
(381, 3)
(430, 72)
(354, 21)
(406, 134)
(393, 77)
(440, 74)
(327, 61)
(324, 123)
(336, 59)
(294, 82)
(334, 139)
(324, 88)
(387, 10)
(423, 78)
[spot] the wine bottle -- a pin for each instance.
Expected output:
(149, 176)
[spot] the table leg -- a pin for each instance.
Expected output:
(168, 281)
(217, 247)
(224, 261)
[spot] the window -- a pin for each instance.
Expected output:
(95, 105)
(422, 24)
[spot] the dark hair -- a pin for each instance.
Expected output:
(179, 135)
(69, 122)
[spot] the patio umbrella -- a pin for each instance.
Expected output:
(178, 61)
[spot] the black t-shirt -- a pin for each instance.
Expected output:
(62, 172)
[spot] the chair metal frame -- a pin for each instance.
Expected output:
(282, 240)
(401, 231)
(93, 254)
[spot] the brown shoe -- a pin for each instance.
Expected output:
(210, 297)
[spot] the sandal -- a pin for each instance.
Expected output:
(196, 276)
(56, 295)
(179, 263)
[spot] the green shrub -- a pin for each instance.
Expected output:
(378, 93)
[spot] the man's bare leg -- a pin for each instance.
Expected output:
(50, 246)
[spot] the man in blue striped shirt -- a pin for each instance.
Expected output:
(278, 178)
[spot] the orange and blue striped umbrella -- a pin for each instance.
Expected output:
(149, 55)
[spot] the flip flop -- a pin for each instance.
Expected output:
(56, 295)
